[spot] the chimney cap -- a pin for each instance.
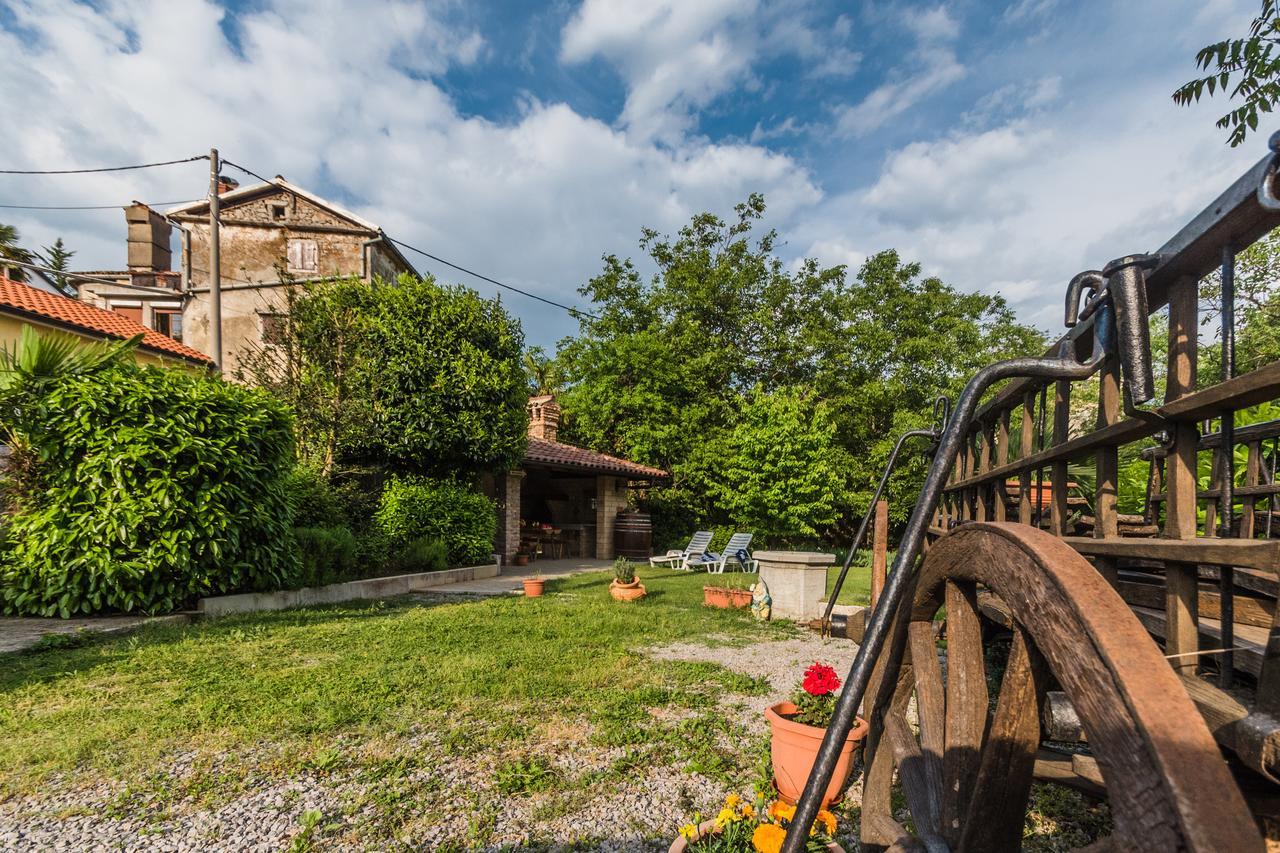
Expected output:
(226, 184)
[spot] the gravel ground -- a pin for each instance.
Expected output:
(414, 792)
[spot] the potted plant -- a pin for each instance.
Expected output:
(715, 596)
(751, 828)
(796, 731)
(520, 559)
(625, 586)
(739, 597)
(533, 585)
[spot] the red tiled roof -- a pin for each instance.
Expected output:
(28, 301)
(557, 453)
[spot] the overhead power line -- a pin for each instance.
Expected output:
(576, 312)
(101, 169)
(90, 206)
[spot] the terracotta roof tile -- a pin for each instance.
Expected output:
(60, 310)
(557, 453)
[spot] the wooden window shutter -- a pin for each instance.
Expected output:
(309, 256)
(295, 254)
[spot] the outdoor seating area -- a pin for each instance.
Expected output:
(696, 556)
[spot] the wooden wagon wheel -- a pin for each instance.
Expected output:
(967, 774)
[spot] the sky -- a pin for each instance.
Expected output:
(1003, 145)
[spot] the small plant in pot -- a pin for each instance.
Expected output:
(533, 585)
(745, 827)
(625, 586)
(796, 732)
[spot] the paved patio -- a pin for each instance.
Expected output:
(508, 582)
(23, 632)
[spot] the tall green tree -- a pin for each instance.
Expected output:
(1249, 65)
(58, 258)
(412, 375)
(675, 359)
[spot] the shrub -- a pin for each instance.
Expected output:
(624, 571)
(154, 486)
(424, 554)
(462, 519)
(315, 503)
(326, 555)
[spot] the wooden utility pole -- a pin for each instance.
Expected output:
(215, 264)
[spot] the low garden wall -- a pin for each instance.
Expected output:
(334, 593)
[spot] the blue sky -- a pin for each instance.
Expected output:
(1004, 145)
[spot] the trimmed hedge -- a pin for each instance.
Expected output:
(415, 508)
(143, 489)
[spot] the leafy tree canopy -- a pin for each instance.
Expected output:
(677, 361)
(417, 376)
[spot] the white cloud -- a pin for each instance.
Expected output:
(895, 98)
(340, 99)
(678, 57)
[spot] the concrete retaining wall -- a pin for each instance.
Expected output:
(250, 602)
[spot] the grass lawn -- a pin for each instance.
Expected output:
(337, 688)
(856, 588)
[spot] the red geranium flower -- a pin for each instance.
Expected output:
(820, 680)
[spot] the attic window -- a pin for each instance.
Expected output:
(302, 256)
(278, 211)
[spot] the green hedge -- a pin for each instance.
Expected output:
(326, 555)
(142, 489)
(415, 508)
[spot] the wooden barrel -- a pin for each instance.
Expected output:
(632, 535)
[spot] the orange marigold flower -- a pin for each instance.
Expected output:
(768, 838)
(778, 810)
(731, 801)
(748, 810)
(828, 820)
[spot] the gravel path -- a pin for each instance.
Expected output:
(416, 792)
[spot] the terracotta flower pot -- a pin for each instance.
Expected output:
(715, 596)
(627, 591)
(794, 746)
(520, 560)
(739, 598)
(532, 587)
(681, 844)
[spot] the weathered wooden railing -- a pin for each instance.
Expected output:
(1023, 434)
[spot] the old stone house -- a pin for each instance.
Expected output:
(272, 235)
(270, 230)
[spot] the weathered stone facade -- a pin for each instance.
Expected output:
(270, 232)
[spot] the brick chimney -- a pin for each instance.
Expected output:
(226, 184)
(544, 417)
(149, 235)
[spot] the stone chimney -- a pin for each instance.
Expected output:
(149, 235)
(544, 417)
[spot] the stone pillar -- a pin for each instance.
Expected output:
(797, 581)
(611, 496)
(507, 496)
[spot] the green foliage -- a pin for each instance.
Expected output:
(424, 554)
(777, 469)
(674, 363)
(416, 507)
(1253, 65)
(326, 555)
(58, 258)
(525, 776)
(10, 249)
(148, 487)
(624, 571)
(421, 377)
(450, 391)
(313, 500)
